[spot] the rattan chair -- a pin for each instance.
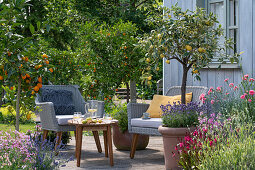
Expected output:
(136, 110)
(50, 121)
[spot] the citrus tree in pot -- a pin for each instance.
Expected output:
(122, 139)
(192, 38)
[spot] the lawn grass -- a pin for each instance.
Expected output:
(23, 127)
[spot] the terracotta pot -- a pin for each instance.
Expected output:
(123, 141)
(171, 137)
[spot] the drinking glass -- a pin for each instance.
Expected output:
(107, 118)
(92, 108)
(77, 116)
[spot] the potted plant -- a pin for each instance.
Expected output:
(122, 139)
(178, 121)
(192, 39)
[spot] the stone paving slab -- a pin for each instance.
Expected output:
(151, 158)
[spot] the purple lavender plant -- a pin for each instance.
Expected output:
(28, 151)
(182, 115)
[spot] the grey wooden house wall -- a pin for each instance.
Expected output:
(213, 77)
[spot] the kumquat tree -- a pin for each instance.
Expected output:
(22, 64)
(113, 58)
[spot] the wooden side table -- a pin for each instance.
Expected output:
(94, 127)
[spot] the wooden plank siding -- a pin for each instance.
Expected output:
(246, 35)
(214, 77)
(253, 28)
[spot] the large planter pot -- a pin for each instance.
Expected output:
(171, 137)
(123, 141)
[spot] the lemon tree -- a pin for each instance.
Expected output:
(190, 37)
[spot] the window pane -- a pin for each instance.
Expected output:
(233, 12)
(233, 34)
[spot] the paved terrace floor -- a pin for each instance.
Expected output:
(152, 158)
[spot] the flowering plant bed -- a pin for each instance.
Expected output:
(27, 151)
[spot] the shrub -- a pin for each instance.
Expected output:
(119, 112)
(8, 116)
(238, 100)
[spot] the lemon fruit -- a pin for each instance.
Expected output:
(89, 118)
(149, 78)
(162, 55)
(84, 121)
(201, 50)
(167, 61)
(148, 60)
(159, 36)
(195, 71)
(99, 121)
(188, 47)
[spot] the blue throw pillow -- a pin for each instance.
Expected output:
(61, 99)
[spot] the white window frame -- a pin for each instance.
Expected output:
(227, 8)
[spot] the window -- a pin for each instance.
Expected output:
(227, 14)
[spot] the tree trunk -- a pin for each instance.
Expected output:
(184, 82)
(128, 91)
(133, 91)
(17, 104)
(2, 96)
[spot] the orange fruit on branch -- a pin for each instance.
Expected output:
(40, 79)
(23, 77)
(47, 61)
(51, 70)
(1, 77)
(11, 88)
(44, 56)
(28, 76)
(36, 88)
(39, 85)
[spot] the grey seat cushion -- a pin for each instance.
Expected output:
(63, 119)
(61, 99)
(146, 123)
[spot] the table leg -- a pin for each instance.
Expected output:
(97, 140)
(105, 143)
(79, 144)
(76, 141)
(109, 138)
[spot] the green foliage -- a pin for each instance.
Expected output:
(119, 112)
(112, 57)
(190, 37)
(111, 12)
(8, 116)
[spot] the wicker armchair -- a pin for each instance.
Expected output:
(58, 123)
(136, 110)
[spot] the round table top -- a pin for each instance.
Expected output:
(104, 122)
